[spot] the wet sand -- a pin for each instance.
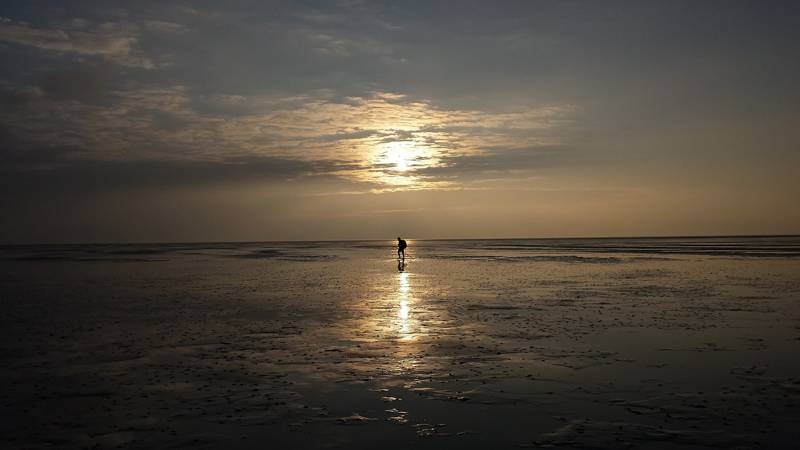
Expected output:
(504, 345)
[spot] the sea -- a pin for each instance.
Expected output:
(566, 249)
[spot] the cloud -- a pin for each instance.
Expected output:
(113, 41)
(58, 169)
(15, 99)
(498, 163)
(164, 27)
(384, 138)
(339, 44)
(87, 82)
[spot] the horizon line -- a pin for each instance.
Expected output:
(704, 236)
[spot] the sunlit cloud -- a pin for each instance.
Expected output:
(383, 139)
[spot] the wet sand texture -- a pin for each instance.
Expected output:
(480, 344)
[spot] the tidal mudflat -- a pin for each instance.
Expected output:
(601, 343)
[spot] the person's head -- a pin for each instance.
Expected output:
(398, 238)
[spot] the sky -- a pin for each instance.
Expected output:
(305, 120)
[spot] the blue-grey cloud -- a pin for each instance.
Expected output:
(115, 42)
(57, 170)
(500, 162)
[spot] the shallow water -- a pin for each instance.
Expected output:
(571, 343)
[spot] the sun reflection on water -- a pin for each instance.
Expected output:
(404, 308)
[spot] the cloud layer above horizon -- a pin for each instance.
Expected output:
(518, 118)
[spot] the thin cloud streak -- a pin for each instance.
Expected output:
(113, 41)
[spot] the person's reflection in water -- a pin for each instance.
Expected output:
(401, 265)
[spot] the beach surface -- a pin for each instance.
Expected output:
(573, 343)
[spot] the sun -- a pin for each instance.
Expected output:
(402, 162)
(401, 154)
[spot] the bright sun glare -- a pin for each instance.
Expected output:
(401, 154)
(398, 162)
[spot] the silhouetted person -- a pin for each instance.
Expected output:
(401, 249)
